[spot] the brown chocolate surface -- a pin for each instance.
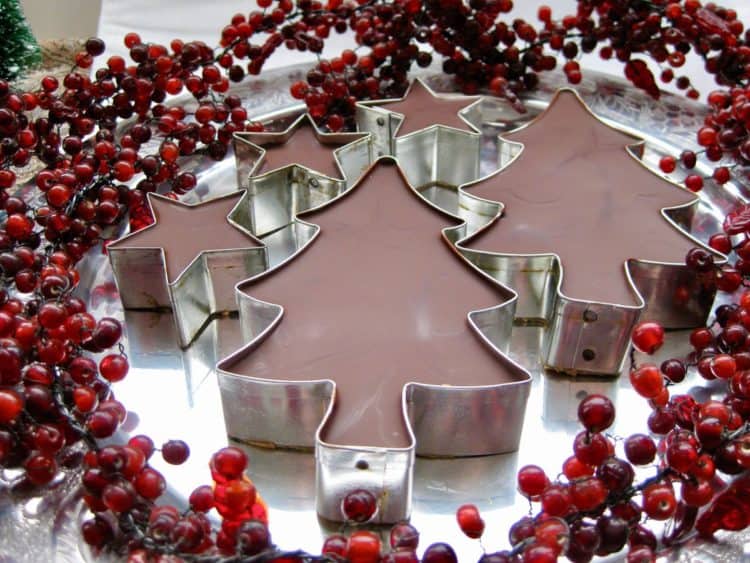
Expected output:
(575, 191)
(376, 301)
(184, 231)
(304, 148)
(422, 109)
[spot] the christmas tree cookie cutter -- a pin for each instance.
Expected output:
(295, 413)
(583, 335)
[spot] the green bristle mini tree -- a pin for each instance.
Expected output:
(18, 48)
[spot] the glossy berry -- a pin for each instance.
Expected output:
(404, 536)
(470, 521)
(647, 381)
(648, 337)
(175, 452)
(363, 547)
(640, 449)
(596, 413)
(359, 506)
(532, 481)
(229, 463)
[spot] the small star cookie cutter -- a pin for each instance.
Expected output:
(278, 194)
(200, 287)
(389, 125)
(291, 414)
(264, 213)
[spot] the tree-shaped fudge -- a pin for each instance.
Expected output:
(376, 302)
(575, 191)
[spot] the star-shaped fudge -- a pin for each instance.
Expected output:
(388, 325)
(188, 260)
(577, 194)
(289, 171)
(418, 109)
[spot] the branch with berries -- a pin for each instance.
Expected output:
(109, 137)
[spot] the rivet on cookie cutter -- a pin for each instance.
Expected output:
(294, 413)
(196, 283)
(586, 335)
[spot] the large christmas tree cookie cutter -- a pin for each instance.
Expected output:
(439, 419)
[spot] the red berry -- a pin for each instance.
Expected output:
(11, 405)
(202, 499)
(667, 164)
(175, 452)
(40, 469)
(359, 506)
(591, 448)
(114, 367)
(640, 449)
(229, 462)
(556, 500)
(363, 547)
(336, 545)
(143, 443)
(596, 413)
(659, 502)
(532, 481)
(647, 381)
(149, 483)
(648, 337)
(588, 493)
(404, 536)
(470, 521)
(694, 182)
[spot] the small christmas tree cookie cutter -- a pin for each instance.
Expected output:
(590, 336)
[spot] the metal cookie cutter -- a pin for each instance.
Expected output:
(289, 171)
(186, 261)
(271, 398)
(587, 329)
(205, 287)
(420, 108)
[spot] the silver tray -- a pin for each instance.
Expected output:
(173, 393)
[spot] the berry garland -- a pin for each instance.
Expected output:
(57, 402)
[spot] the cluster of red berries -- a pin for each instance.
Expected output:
(122, 490)
(481, 50)
(55, 398)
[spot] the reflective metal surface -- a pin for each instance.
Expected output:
(173, 393)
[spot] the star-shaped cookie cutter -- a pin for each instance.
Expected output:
(292, 413)
(591, 336)
(387, 125)
(200, 289)
(278, 194)
(265, 213)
